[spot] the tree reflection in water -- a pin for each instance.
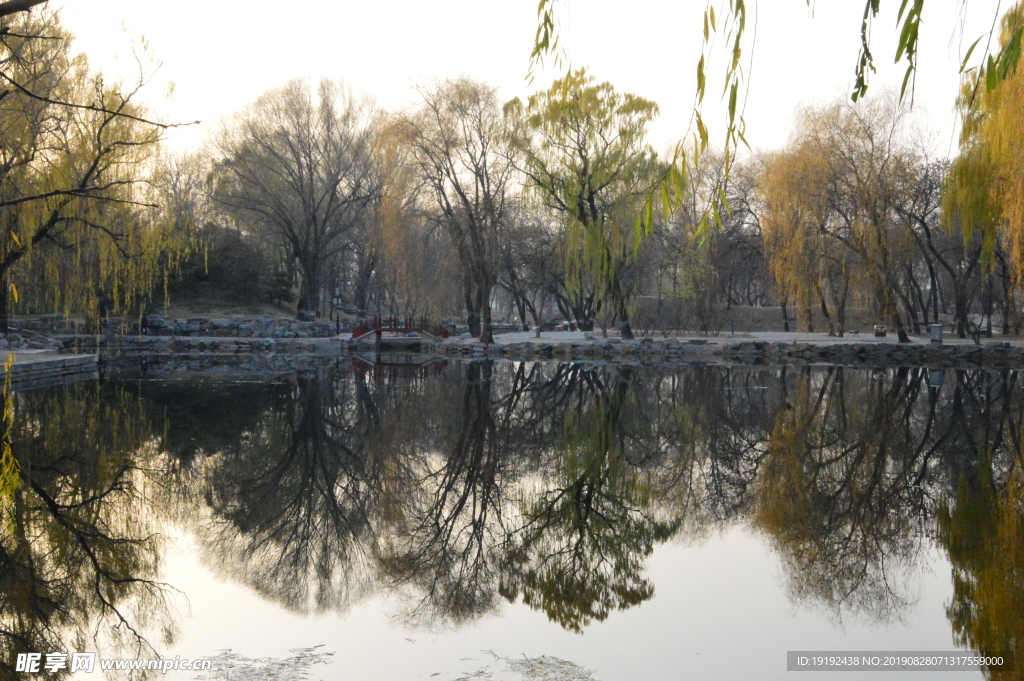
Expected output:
(78, 556)
(837, 492)
(983, 532)
(541, 482)
(578, 549)
(294, 494)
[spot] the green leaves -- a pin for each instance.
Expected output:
(991, 73)
(907, 47)
(701, 79)
(1010, 56)
(587, 158)
(545, 39)
(970, 51)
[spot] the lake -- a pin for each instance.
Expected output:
(517, 520)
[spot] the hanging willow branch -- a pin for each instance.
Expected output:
(729, 21)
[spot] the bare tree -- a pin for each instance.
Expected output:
(298, 165)
(463, 157)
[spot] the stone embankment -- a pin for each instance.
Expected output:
(54, 333)
(240, 327)
(35, 369)
(991, 354)
(245, 355)
(177, 345)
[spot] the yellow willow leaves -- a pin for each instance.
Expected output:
(10, 471)
(986, 190)
(793, 192)
(78, 219)
(585, 156)
(982, 532)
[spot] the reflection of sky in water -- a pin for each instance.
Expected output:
(720, 611)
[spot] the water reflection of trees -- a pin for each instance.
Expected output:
(546, 483)
(982, 529)
(292, 492)
(552, 483)
(578, 549)
(838, 493)
(78, 557)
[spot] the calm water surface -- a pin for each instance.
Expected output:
(462, 520)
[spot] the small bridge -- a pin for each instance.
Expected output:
(379, 325)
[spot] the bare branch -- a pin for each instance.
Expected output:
(14, 6)
(89, 107)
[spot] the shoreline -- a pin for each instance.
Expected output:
(751, 349)
(761, 348)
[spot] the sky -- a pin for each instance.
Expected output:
(222, 54)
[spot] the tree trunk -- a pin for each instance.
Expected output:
(521, 304)
(825, 312)
(625, 330)
(5, 290)
(309, 296)
(987, 305)
(960, 310)
(363, 277)
(897, 320)
(486, 335)
(785, 316)
(809, 314)
(483, 302)
(472, 319)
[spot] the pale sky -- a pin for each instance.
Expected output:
(222, 54)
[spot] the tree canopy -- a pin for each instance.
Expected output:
(586, 156)
(298, 164)
(77, 217)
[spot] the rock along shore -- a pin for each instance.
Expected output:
(994, 354)
(214, 351)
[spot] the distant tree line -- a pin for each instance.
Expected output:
(533, 213)
(530, 213)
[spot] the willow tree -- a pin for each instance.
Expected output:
(585, 155)
(418, 266)
(463, 157)
(985, 193)
(844, 173)
(809, 267)
(297, 166)
(74, 213)
(980, 527)
(79, 554)
(728, 29)
(835, 493)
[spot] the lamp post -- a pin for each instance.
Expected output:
(336, 306)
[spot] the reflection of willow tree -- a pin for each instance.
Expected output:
(77, 556)
(983, 533)
(449, 527)
(712, 424)
(837, 492)
(481, 519)
(295, 497)
(580, 550)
